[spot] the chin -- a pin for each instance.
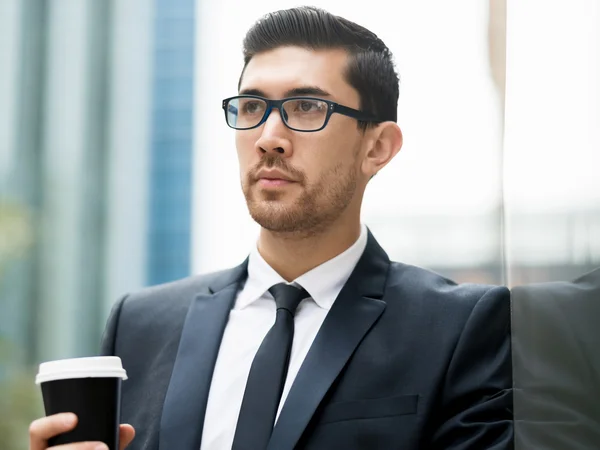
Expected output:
(291, 220)
(273, 215)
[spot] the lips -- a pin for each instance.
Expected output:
(273, 177)
(273, 174)
(273, 182)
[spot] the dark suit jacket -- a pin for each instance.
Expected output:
(556, 357)
(404, 360)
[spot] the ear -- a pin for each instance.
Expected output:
(383, 145)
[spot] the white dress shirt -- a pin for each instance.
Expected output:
(249, 321)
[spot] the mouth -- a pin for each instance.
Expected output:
(273, 182)
(273, 179)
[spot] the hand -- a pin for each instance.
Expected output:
(43, 429)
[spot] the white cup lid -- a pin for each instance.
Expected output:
(92, 367)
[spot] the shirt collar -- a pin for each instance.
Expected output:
(323, 283)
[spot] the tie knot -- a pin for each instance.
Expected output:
(288, 296)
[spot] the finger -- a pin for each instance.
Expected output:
(43, 429)
(126, 435)
(81, 446)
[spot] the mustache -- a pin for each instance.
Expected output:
(273, 161)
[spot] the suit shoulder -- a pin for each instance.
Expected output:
(429, 285)
(174, 292)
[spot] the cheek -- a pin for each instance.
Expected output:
(320, 169)
(334, 149)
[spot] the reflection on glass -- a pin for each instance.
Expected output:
(552, 187)
(556, 363)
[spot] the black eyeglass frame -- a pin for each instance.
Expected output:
(332, 107)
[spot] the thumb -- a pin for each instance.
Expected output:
(126, 435)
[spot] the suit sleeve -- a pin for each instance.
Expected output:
(477, 402)
(109, 337)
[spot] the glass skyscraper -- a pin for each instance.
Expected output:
(171, 142)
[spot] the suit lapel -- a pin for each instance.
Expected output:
(353, 314)
(185, 403)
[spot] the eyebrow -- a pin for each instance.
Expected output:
(299, 91)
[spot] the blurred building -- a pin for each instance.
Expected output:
(169, 237)
(96, 163)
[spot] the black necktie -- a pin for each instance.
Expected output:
(268, 373)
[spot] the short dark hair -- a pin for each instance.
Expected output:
(370, 67)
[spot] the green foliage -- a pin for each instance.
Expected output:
(20, 401)
(20, 398)
(16, 232)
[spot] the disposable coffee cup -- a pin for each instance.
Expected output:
(90, 388)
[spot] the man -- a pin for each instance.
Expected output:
(383, 355)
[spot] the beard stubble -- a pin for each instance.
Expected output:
(318, 206)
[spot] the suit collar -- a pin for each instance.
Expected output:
(325, 282)
(354, 313)
(185, 402)
(371, 272)
(221, 280)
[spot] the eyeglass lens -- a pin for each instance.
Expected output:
(300, 114)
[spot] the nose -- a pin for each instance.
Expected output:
(275, 136)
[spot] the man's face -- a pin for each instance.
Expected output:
(300, 182)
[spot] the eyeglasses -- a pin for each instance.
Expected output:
(245, 112)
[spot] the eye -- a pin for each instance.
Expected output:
(309, 106)
(252, 107)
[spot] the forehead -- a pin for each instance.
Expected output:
(276, 71)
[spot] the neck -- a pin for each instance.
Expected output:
(292, 256)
